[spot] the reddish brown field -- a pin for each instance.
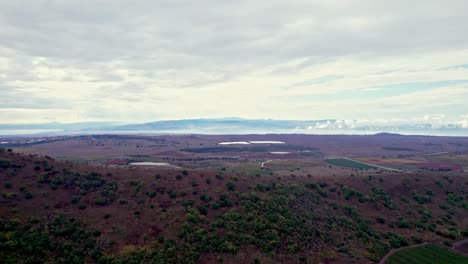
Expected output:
(441, 167)
(120, 150)
(390, 161)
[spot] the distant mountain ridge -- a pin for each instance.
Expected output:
(233, 125)
(325, 124)
(222, 123)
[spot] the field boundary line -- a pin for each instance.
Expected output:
(459, 243)
(377, 166)
(432, 154)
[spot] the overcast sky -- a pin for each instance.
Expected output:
(138, 61)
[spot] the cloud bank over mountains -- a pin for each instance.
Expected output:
(390, 125)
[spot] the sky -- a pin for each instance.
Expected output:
(141, 61)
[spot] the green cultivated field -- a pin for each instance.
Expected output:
(398, 149)
(349, 163)
(428, 254)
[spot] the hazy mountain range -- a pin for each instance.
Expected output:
(238, 126)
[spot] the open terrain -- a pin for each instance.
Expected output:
(372, 152)
(261, 199)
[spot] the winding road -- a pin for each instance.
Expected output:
(263, 163)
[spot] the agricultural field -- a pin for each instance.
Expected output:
(349, 163)
(398, 149)
(426, 254)
(386, 161)
(407, 153)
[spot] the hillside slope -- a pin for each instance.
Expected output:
(64, 212)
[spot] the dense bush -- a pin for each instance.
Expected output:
(396, 240)
(6, 164)
(59, 240)
(110, 191)
(86, 183)
(421, 199)
(100, 201)
(231, 186)
(172, 194)
(26, 192)
(75, 199)
(292, 219)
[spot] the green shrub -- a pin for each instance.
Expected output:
(75, 199)
(231, 186)
(100, 201)
(172, 194)
(202, 209)
(5, 164)
(403, 223)
(134, 182)
(110, 191)
(188, 203)
(396, 240)
(380, 220)
(421, 199)
(151, 194)
(204, 198)
(26, 192)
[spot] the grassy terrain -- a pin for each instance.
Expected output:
(427, 254)
(349, 163)
(460, 160)
(312, 154)
(251, 168)
(249, 149)
(398, 149)
(290, 165)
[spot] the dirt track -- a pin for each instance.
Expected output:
(373, 165)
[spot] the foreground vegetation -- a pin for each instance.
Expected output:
(59, 239)
(63, 213)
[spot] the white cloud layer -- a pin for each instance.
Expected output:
(141, 61)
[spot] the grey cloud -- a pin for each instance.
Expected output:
(13, 97)
(223, 37)
(126, 48)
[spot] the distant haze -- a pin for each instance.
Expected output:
(236, 126)
(370, 63)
